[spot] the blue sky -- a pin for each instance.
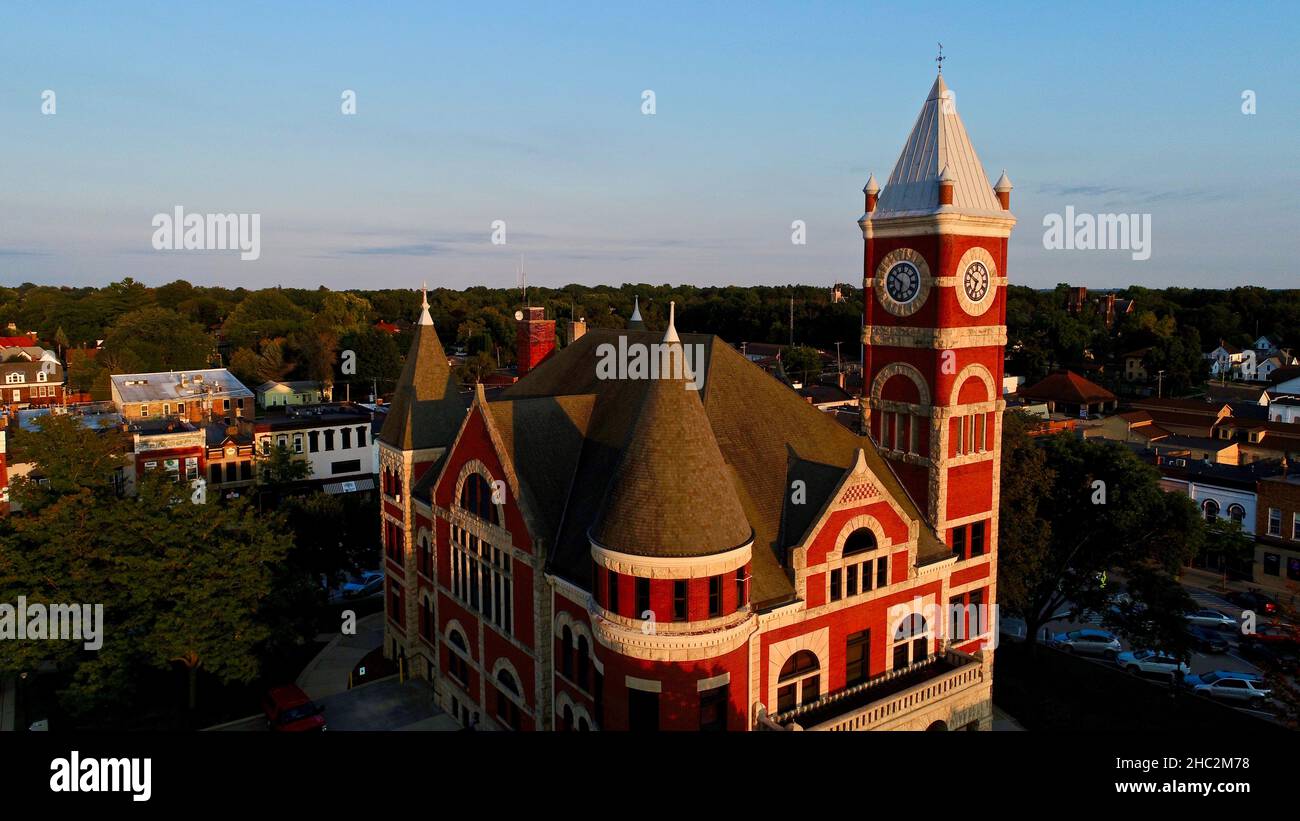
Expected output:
(766, 113)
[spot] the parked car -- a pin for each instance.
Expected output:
(1211, 618)
(1088, 643)
(368, 584)
(1226, 685)
(1254, 600)
(1206, 640)
(1151, 663)
(289, 710)
(1281, 636)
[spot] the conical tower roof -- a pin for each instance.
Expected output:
(938, 141)
(672, 492)
(427, 410)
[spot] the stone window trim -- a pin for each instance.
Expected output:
(420, 535)
(562, 620)
(563, 700)
(475, 466)
(910, 372)
(817, 642)
(519, 700)
(977, 371)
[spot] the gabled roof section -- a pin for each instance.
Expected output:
(427, 409)
(938, 141)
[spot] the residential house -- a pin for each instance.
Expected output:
(30, 376)
(1135, 365)
(282, 394)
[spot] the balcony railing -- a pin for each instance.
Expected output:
(885, 696)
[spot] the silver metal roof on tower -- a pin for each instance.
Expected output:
(938, 140)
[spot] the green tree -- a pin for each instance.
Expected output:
(1084, 509)
(155, 339)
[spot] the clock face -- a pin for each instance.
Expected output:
(976, 281)
(903, 282)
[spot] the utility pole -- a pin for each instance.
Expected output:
(1160, 382)
(839, 367)
(792, 320)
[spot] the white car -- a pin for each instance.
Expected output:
(1087, 643)
(1151, 663)
(1211, 618)
(1229, 686)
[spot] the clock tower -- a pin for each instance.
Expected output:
(934, 325)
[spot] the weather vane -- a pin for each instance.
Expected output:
(939, 60)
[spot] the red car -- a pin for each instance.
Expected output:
(289, 710)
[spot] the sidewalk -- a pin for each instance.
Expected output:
(327, 674)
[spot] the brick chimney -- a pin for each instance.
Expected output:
(534, 338)
(577, 327)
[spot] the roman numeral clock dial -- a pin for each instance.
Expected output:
(903, 282)
(976, 281)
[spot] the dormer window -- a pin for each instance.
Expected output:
(41, 376)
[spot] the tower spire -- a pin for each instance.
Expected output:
(425, 318)
(939, 60)
(670, 335)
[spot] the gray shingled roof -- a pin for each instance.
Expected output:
(426, 410)
(671, 494)
(766, 434)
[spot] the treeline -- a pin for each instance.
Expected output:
(1177, 324)
(297, 333)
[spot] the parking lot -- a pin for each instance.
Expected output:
(1200, 662)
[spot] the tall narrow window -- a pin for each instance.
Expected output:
(959, 542)
(882, 572)
(566, 652)
(681, 610)
(977, 539)
(857, 654)
(613, 591)
(642, 710)
(713, 709)
(741, 597)
(837, 584)
(715, 596)
(642, 596)
(851, 573)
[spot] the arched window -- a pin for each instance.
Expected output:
(800, 681)
(456, 664)
(566, 652)
(584, 661)
(583, 726)
(566, 719)
(507, 710)
(1236, 513)
(911, 641)
(860, 541)
(476, 497)
(424, 557)
(1211, 509)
